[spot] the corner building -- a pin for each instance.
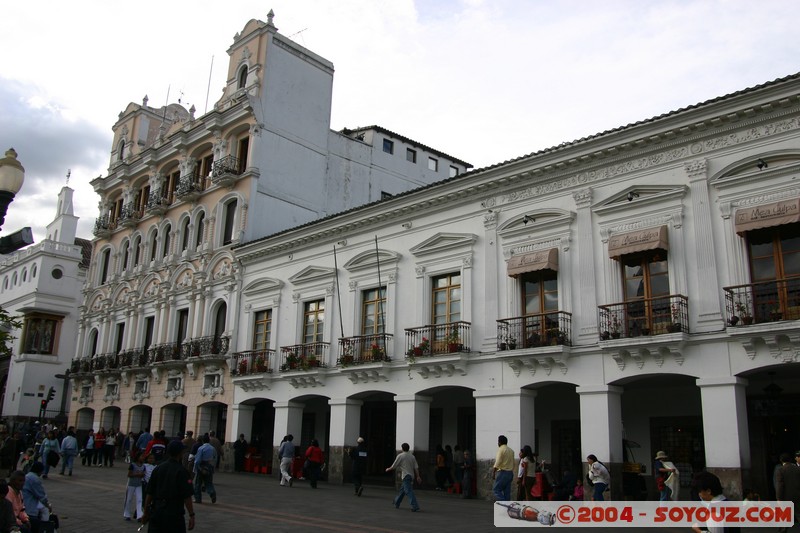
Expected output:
(633, 291)
(161, 305)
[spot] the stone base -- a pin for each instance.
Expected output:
(337, 462)
(732, 480)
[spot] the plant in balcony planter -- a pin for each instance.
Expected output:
(292, 362)
(512, 342)
(556, 336)
(242, 367)
(260, 364)
(675, 325)
(742, 313)
(454, 341)
(775, 313)
(376, 352)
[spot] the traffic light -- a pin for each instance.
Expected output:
(44, 405)
(51, 394)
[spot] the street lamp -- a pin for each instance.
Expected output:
(12, 174)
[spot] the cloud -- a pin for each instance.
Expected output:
(49, 140)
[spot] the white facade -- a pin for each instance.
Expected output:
(571, 299)
(41, 285)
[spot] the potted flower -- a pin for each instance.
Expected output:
(419, 350)
(454, 341)
(512, 343)
(376, 352)
(615, 327)
(292, 362)
(743, 313)
(242, 367)
(260, 363)
(775, 311)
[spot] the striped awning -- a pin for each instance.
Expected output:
(767, 215)
(638, 241)
(541, 260)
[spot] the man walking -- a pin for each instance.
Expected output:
(286, 455)
(168, 492)
(503, 470)
(787, 484)
(204, 471)
(188, 445)
(69, 450)
(409, 471)
(359, 457)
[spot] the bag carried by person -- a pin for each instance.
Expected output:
(205, 470)
(53, 458)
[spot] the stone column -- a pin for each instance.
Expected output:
(601, 430)
(413, 427)
(727, 441)
(707, 301)
(491, 280)
(288, 420)
(501, 412)
(586, 328)
(241, 422)
(344, 430)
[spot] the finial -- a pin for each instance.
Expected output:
(69, 173)
(270, 16)
(145, 100)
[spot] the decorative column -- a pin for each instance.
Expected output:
(491, 278)
(707, 299)
(501, 412)
(586, 328)
(601, 430)
(344, 430)
(288, 421)
(241, 422)
(725, 431)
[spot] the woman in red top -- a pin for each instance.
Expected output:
(99, 442)
(314, 458)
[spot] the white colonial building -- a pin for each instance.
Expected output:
(41, 286)
(636, 287)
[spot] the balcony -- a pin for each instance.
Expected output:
(252, 362)
(765, 301)
(534, 331)
(226, 171)
(168, 351)
(136, 358)
(212, 346)
(364, 349)
(130, 216)
(191, 186)
(437, 339)
(304, 357)
(157, 203)
(103, 227)
(644, 317)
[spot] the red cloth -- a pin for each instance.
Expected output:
(314, 454)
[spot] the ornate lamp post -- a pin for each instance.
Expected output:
(12, 175)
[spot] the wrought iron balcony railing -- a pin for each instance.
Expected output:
(225, 171)
(103, 226)
(158, 201)
(130, 215)
(533, 331)
(136, 357)
(438, 339)
(764, 301)
(304, 356)
(364, 349)
(252, 362)
(168, 351)
(206, 346)
(191, 185)
(646, 316)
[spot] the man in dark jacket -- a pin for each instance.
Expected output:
(168, 492)
(787, 484)
(359, 458)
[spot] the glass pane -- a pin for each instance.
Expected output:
(791, 264)
(760, 250)
(439, 296)
(791, 244)
(633, 271)
(551, 301)
(634, 288)
(455, 307)
(551, 285)
(659, 285)
(657, 267)
(764, 268)
(533, 304)
(455, 293)
(455, 279)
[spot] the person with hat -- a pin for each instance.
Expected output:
(168, 493)
(667, 477)
(359, 457)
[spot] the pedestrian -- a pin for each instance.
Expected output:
(314, 460)
(7, 519)
(188, 445)
(526, 473)
(239, 452)
(458, 467)
(100, 447)
(7, 454)
(286, 456)
(143, 440)
(15, 483)
(34, 497)
(168, 493)
(469, 475)
(788, 484)
(49, 449)
(110, 448)
(69, 450)
(88, 449)
(709, 489)
(127, 447)
(133, 492)
(217, 444)
(157, 446)
(448, 463)
(441, 468)
(358, 456)
(204, 462)
(667, 478)
(598, 476)
(409, 472)
(503, 470)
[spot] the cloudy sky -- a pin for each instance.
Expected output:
(482, 80)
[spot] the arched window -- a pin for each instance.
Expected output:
(185, 234)
(165, 249)
(33, 272)
(93, 335)
(220, 319)
(153, 245)
(121, 150)
(242, 77)
(200, 227)
(137, 242)
(125, 256)
(105, 260)
(230, 218)
(24, 275)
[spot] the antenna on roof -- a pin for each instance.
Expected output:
(298, 33)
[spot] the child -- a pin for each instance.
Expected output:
(136, 473)
(577, 494)
(149, 466)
